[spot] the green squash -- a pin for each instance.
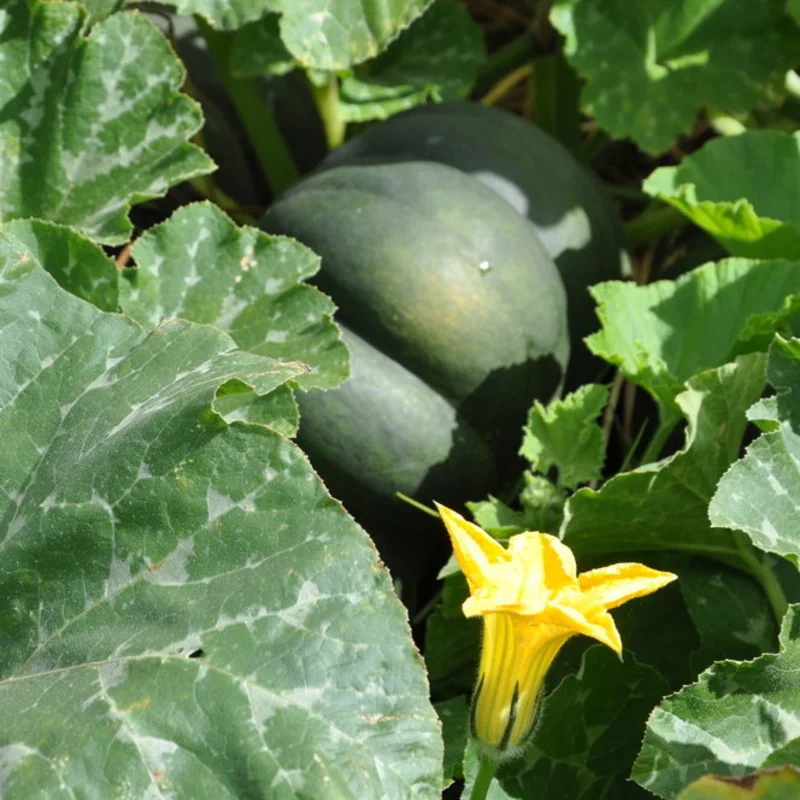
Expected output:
(455, 316)
(532, 171)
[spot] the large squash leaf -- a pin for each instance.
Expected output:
(320, 34)
(200, 266)
(652, 64)
(733, 720)
(664, 506)
(759, 493)
(89, 125)
(744, 190)
(76, 262)
(437, 58)
(186, 612)
(662, 334)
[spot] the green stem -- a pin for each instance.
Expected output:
(483, 779)
(656, 220)
(657, 442)
(205, 185)
(758, 567)
(556, 99)
(627, 193)
(506, 84)
(509, 58)
(326, 97)
(419, 506)
(262, 130)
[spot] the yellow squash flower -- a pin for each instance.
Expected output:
(532, 601)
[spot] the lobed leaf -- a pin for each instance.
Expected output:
(91, 125)
(77, 263)
(744, 190)
(664, 506)
(187, 613)
(652, 65)
(729, 723)
(437, 58)
(662, 334)
(320, 34)
(758, 494)
(199, 265)
(565, 435)
(729, 610)
(257, 49)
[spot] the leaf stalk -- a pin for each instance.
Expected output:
(262, 130)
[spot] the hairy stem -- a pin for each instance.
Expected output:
(262, 130)
(326, 97)
(483, 779)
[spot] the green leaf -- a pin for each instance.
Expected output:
(454, 715)
(187, 613)
(588, 734)
(780, 784)
(76, 262)
(565, 435)
(662, 617)
(100, 9)
(542, 504)
(200, 266)
(90, 126)
(652, 64)
(664, 506)
(496, 518)
(452, 642)
(744, 190)
(437, 58)
(258, 50)
(730, 612)
(663, 333)
(757, 495)
(728, 723)
(794, 10)
(320, 34)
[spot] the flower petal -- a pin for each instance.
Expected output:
(546, 566)
(612, 586)
(474, 549)
(599, 626)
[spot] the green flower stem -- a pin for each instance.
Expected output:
(656, 220)
(483, 779)
(326, 97)
(419, 506)
(756, 564)
(262, 131)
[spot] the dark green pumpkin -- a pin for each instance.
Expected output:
(532, 171)
(455, 315)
